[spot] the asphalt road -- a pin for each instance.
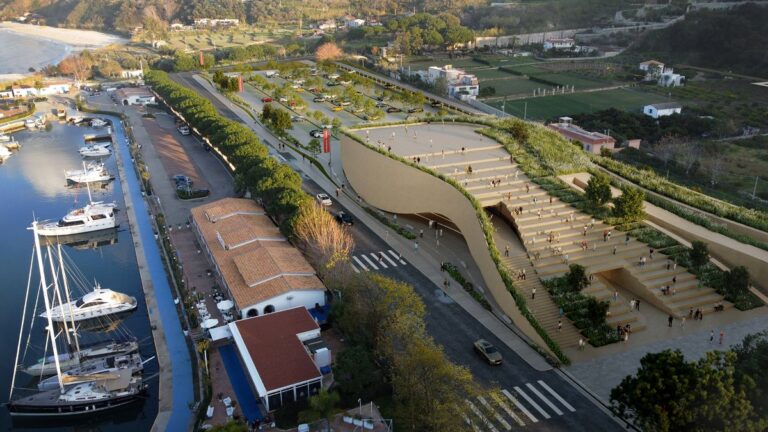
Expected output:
(543, 401)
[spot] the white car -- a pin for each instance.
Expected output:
(324, 199)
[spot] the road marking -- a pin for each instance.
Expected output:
(519, 406)
(501, 421)
(380, 261)
(396, 256)
(532, 402)
(477, 412)
(546, 401)
(500, 402)
(362, 266)
(368, 260)
(556, 396)
(354, 268)
(471, 423)
(389, 259)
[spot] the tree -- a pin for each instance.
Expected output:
(751, 358)
(598, 190)
(328, 51)
(596, 311)
(577, 277)
(487, 91)
(314, 146)
(737, 281)
(670, 394)
(629, 205)
(77, 65)
(327, 243)
(324, 405)
(699, 253)
(354, 371)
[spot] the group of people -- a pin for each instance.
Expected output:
(698, 314)
(623, 332)
(520, 274)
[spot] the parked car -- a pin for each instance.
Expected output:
(344, 218)
(415, 110)
(184, 130)
(283, 99)
(394, 110)
(381, 105)
(181, 178)
(436, 104)
(488, 352)
(323, 199)
(319, 99)
(316, 133)
(266, 99)
(297, 118)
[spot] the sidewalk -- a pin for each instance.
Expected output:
(426, 259)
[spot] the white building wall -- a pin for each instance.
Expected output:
(288, 300)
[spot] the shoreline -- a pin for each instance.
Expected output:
(85, 39)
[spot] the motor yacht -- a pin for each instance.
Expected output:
(30, 123)
(97, 303)
(95, 150)
(45, 366)
(92, 173)
(98, 123)
(95, 216)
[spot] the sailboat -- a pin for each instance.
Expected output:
(96, 388)
(95, 216)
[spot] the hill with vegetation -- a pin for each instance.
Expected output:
(733, 40)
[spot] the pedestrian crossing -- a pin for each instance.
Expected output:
(522, 405)
(368, 261)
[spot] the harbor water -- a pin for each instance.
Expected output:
(32, 185)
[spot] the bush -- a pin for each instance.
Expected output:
(192, 193)
(577, 277)
(468, 287)
(598, 190)
(629, 206)
(699, 253)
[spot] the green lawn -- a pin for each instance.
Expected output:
(512, 86)
(542, 108)
(488, 74)
(571, 79)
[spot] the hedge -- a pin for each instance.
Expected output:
(456, 275)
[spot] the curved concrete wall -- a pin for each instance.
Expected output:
(398, 188)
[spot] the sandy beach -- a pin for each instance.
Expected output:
(78, 39)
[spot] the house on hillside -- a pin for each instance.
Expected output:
(134, 96)
(592, 142)
(284, 356)
(460, 84)
(132, 73)
(662, 109)
(48, 88)
(669, 78)
(651, 65)
(259, 270)
(352, 22)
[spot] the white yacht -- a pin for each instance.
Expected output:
(95, 216)
(4, 137)
(97, 303)
(30, 123)
(95, 150)
(98, 123)
(92, 173)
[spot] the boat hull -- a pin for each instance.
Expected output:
(61, 316)
(56, 230)
(40, 406)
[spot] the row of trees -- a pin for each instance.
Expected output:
(225, 83)
(724, 391)
(278, 118)
(276, 185)
(421, 31)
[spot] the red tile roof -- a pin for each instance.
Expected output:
(275, 349)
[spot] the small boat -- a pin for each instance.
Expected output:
(12, 145)
(45, 366)
(76, 119)
(4, 137)
(30, 124)
(95, 150)
(4, 152)
(97, 303)
(98, 123)
(92, 173)
(61, 113)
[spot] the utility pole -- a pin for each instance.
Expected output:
(754, 189)
(525, 111)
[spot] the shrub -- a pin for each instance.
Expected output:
(598, 190)
(629, 206)
(577, 277)
(699, 254)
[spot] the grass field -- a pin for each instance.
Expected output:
(204, 40)
(513, 86)
(547, 107)
(571, 79)
(490, 74)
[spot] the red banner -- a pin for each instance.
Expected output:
(240, 83)
(326, 141)
(202, 60)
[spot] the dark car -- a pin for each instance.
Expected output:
(344, 218)
(436, 104)
(316, 133)
(181, 179)
(415, 110)
(394, 110)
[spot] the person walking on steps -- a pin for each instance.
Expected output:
(533, 293)
(669, 320)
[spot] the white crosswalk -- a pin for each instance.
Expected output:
(368, 261)
(495, 414)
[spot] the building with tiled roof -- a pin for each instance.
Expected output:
(255, 264)
(592, 142)
(283, 355)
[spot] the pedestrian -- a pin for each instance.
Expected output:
(674, 279)
(605, 236)
(637, 304)
(440, 231)
(584, 232)
(614, 250)
(559, 325)
(381, 257)
(626, 240)
(711, 336)
(669, 264)
(527, 188)
(615, 295)
(632, 304)
(534, 290)
(626, 337)
(533, 293)
(669, 320)
(560, 311)
(550, 199)
(337, 192)
(682, 322)
(651, 251)
(581, 344)
(690, 313)
(421, 233)
(722, 336)
(416, 245)
(506, 251)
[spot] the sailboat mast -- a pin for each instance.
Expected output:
(57, 291)
(69, 300)
(88, 187)
(44, 283)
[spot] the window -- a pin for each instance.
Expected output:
(273, 401)
(252, 313)
(269, 309)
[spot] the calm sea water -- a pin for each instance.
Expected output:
(32, 184)
(19, 52)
